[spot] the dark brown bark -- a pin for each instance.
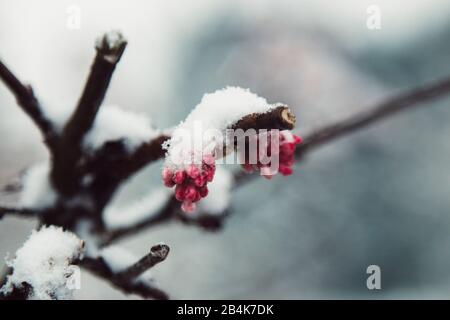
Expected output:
(157, 254)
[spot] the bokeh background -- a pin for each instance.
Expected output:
(378, 197)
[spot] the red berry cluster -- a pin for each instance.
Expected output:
(191, 182)
(287, 145)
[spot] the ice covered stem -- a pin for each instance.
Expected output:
(286, 153)
(190, 182)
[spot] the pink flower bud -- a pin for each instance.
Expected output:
(179, 177)
(190, 193)
(297, 139)
(179, 193)
(209, 173)
(287, 148)
(200, 181)
(167, 177)
(285, 170)
(247, 167)
(192, 171)
(209, 159)
(203, 191)
(188, 206)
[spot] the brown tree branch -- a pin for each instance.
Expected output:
(113, 163)
(319, 137)
(29, 104)
(386, 109)
(114, 158)
(18, 212)
(64, 174)
(128, 285)
(280, 118)
(164, 215)
(157, 254)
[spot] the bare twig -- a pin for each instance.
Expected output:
(29, 104)
(363, 119)
(157, 254)
(18, 212)
(278, 118)
(128, 285)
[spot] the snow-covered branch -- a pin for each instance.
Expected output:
(42, 267)
(327, 134)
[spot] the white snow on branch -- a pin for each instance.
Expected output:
(45, 263)
(37, 191)
(112, 39)
(216, 112)
(121, 217)
(219, 196)
(114, 123)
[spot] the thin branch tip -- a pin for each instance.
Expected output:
(160, 250)
(111, 46)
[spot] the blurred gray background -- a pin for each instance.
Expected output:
(380, 196)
